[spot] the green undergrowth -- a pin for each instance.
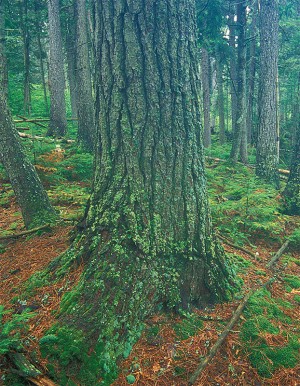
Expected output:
(267, 322)
(188, 326)
(243, 207)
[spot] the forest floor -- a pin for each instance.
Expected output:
(261, 349)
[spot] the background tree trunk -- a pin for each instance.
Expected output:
(58, 121)
(31, 196)
(41, 53)
(3, 63)
(239, 145)
(70, 40)
(26, 48)
(233, 65)
(147, 238)
(251, 73)
(292, 189)
(86, 112)
(219, 70)
(267, 141)
(206, 95)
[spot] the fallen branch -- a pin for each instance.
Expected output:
(234, 319)
(24, 233)
(281, 171)
(278, 254)
(25, 369)
(24, 119)
(38, 119)
(221, 338)
(236, 246)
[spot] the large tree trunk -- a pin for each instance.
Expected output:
(267, 141)
(86, 112)
(58, 120)
(206, 95)
(147, 238)
(239, 145)
(32, 198)
(219, 71)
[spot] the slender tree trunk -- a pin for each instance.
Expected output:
(206, 95)
(3, 62)
(251, 73)
(239, 145)
(147, 240)
(86, 112)
(41, 55)
(58, 121)
(31, 196)
(26, 48)
(71, 59)
(233, 71)
(267, 141)
(219, 70)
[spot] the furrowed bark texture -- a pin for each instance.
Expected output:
(58, 122)
(86, 112)
(266, 152)
(148, 239)
(32, 198)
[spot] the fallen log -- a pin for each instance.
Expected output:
(281, 171)
(24, 233)
(47, 140)
(24, 119)
(235, 317)
(32, 120)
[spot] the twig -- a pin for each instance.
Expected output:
(234, 319)
(278, 254)
(24, 233)
(235, 246)
(221, 338)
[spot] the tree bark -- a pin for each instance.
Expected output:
(31, 196)
(58, 122)
(206, 95)
(267, 141)
(147, 238)
(86, 112)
